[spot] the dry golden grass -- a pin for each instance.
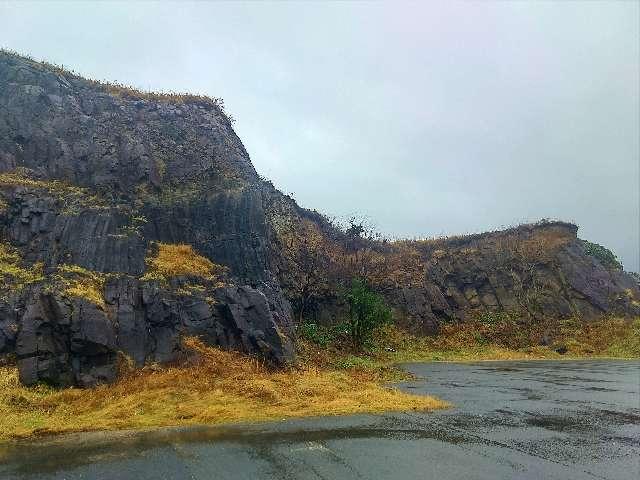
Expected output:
(213, 387)
(70, 280)
(14, 275)
(504, 340)
(76, 281)
(171, 260)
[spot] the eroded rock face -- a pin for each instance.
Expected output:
(69, 128)
(65, 342)
(75, 342)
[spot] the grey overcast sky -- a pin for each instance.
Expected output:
(429, 118)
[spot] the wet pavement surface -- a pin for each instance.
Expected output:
(522, 420)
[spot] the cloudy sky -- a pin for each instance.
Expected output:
(429, 118)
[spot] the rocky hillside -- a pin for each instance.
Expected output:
(129, 219)
(532, 271)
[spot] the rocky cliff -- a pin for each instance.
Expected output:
(130, 219)
(93, 178)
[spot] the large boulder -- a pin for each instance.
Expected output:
(65, 342)
(250, 322)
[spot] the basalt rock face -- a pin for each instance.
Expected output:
(94, 177)
(62, 126)
(67, 341)
(91, 176)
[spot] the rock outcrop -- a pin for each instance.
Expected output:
(73, 341)
(533, 271)
(93, 177)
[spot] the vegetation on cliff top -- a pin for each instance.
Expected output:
(125, 91)
(606, 257)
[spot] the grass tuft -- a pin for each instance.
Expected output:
(75, 281)
(171, 260)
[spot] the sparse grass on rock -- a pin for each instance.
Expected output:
(14, 273)
(75, 281)
(74, 197)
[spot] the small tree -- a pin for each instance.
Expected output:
(308, 276)
(367, 312)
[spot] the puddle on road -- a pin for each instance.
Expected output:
(599, 389)
(557, 423)
(582, 421)
(503, 369)
(71, 452)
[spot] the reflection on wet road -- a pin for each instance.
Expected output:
(525, 420)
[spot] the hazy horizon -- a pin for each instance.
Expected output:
(429, 119)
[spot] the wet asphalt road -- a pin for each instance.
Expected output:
(523, 420)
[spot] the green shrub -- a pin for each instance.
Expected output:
(318, 334)
(322, 335)
(367, 312)
(605, 256)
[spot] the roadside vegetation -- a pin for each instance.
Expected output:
(367, 314)
(209, 386)
(489, 338)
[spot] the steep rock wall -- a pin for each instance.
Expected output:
(91, 177)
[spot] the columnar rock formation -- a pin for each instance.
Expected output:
(92, 176)
(95, 178)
